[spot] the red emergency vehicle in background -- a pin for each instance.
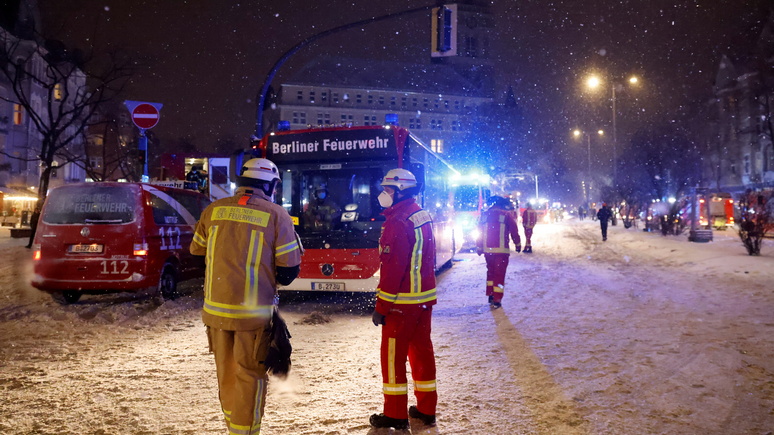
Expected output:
(210, 174)
(716, 210)
(471, 191)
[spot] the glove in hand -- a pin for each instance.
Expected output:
(377, 318)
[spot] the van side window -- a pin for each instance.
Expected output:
(192, 203)
(164, 213)
(177, 210)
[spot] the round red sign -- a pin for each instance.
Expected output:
(145, 116)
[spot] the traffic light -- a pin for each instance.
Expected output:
(444, 31)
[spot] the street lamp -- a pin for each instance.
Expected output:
(594, 82)
(580, 134)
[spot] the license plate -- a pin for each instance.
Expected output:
(92, 249)
(330, 286)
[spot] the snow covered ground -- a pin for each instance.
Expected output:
(642, 334)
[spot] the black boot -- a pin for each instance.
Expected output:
(381, 420)
(428, 420)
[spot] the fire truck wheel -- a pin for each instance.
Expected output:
(66, 297)
(168, 282)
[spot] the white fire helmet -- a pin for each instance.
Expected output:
(400, 179)
(260, 169)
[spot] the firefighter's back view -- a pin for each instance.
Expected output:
(249, 246)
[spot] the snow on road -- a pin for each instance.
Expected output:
(639, 334)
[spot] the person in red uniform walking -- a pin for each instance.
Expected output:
(249, 246)
(528, 219)
(404, 300)
(497, 225)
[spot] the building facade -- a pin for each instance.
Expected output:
(739, 151)
(30, 102)
(436, 99)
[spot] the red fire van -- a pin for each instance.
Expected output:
(112, 237)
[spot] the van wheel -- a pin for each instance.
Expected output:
(168, 282)
(66, 297)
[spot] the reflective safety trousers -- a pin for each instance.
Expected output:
(406, 335)
(242, 378)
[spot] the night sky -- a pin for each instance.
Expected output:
(207, 59)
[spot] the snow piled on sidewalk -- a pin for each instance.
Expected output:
(639, 334)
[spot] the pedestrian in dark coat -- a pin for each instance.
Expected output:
(604, 214)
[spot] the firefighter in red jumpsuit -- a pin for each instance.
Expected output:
(405, 297)
(528, 218)
(497, 225)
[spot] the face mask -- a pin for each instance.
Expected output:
(322, 195)
(385, 200)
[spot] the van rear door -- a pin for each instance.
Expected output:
(86, 236)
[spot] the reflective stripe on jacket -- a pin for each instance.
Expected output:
(407, 256)
(529, 218)
(497, 226)
(243, 238)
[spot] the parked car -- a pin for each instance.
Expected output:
(113, 237)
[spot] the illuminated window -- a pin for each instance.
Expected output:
(18, 114)
(58, 92)
(436, 145)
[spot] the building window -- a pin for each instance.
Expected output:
(369, 120)
(300, 96)
(18, 114)
(393, 101)
(335, 97)
(311, 97)
(58, 92)
(359, 98)
(403, 102)
(370, 99)
(381, 100)
(415, 123)
(436, 145)
(346, 119)
(414, 101)
(323, 118)
(324, 96)
(299, 117)
(456, 125)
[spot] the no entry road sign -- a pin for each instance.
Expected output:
(145, 116)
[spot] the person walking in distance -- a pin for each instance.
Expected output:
(404, 303)
(604, 214)
(496, 227)
(249, 246)
(528, 220)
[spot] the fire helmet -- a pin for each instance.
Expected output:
(400, 179)
(499, 201)
(260, 169)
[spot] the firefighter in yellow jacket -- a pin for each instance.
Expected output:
(249, 246)
(497, 225)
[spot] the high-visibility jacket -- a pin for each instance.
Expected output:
(529, 218)
(497, 226)
(407, 256)
(243, 238)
